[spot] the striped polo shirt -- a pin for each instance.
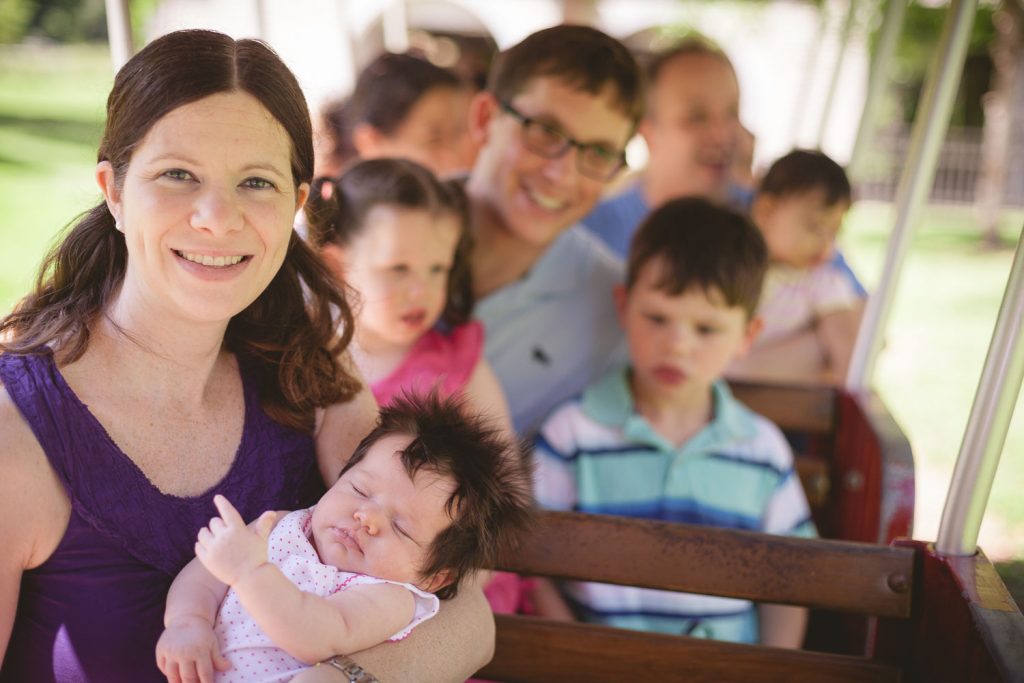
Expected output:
(597, 455)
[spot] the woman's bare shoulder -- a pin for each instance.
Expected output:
(33, 505)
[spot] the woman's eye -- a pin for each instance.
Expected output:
(178, 174)
(258, 184)
(439, 270)
(400, 269)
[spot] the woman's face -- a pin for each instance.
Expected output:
(207, 206)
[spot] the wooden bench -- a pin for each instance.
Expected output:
(855, 463)
(971, 619)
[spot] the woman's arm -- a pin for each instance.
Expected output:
(450, 647)
(34, 511)
(341, 427)
(485, 395)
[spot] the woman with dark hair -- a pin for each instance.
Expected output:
(181, 341)
(402, 106)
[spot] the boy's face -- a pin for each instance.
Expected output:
(375, 520)
(680, 344)
(692, 125)
(535, 198)
(799, 229)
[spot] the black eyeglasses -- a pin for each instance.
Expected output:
(594, 161)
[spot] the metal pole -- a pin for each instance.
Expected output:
(989, 421)
(806, 80)
(396, 27)
(844, 41)
(878, 78)
(918, 173)
(119, 32)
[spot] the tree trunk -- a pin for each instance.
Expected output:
(1004, 115)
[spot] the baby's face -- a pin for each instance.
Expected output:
(800, 229)
(375, 520)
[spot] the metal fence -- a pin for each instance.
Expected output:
(957, 174)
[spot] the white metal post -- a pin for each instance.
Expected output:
(915, 182)
(989, 421)
(119, 32)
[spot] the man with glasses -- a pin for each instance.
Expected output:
(552, 125)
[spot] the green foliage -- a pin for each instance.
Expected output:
(14, 19)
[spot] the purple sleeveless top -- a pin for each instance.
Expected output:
(94, 610)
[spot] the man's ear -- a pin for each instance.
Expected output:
(750, 335)
(335, 257)
(482, 110)
(107, 181)
(621, 297)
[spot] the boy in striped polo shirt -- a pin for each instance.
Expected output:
(663, 437)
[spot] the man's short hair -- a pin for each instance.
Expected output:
(691, 45)
(580, 56)
(492, 503)
(698, 243)
(803, 170)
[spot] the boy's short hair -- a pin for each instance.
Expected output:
(580, 56)
(803, 170)
(492, 503)
(703, 244)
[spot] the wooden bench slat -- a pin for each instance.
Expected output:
(531, 650)
(794, 408)
(849, 577)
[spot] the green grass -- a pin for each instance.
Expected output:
(51, 109)
(51, 116)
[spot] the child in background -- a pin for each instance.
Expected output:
(663, 438)
(811, 307)
(402, 106)
(428, 497)
(398, 237)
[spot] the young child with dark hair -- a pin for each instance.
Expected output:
(811, 307)
(402, 106)
(663, 437)
(428, 497)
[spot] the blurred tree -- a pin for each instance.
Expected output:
(1004, 114)
(14, 18)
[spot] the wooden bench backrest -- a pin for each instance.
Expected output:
(835, 575)
(851, 577)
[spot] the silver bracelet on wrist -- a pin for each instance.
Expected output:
(352, 671)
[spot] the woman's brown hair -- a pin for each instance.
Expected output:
(289, 336)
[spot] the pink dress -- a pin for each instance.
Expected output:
(446, 361)
(438, 360)
(254, 657)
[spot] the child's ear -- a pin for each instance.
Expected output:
(761, 209)
(754, 327)
(335, 257)
(621, 296)
(366, 139)
(482, 110)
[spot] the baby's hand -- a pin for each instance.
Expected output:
(188, 651)
(228, 548)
